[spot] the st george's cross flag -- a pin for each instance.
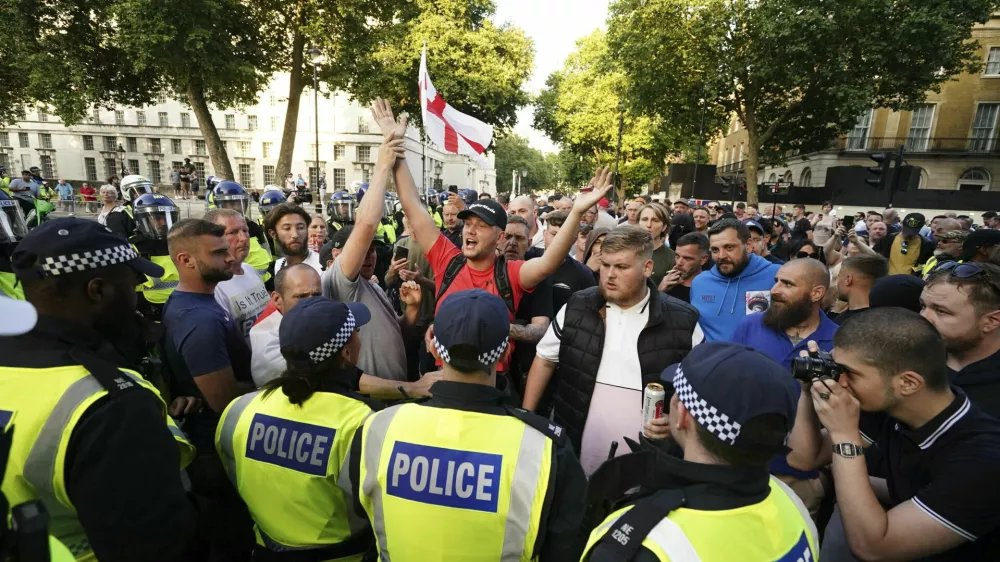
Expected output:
(449, 128)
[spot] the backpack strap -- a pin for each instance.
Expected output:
(503, 284)
(450, 273)
(624, 537)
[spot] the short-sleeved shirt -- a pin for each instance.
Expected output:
(382, 352)
(532, 305)
(948, 467)
(571, 276)
(441, 254)
(752, 332)
(64, 189)
(184, 176)
(245, 297)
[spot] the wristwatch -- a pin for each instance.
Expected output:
(848, 450)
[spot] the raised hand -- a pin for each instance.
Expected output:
(391, 150)
(387, 123)
(602, 183)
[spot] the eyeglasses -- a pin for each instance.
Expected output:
(813, 255)
(967, 271)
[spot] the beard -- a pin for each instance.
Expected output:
(213, 275)
(965, 342)
(296, 247)
(735, 267)
(783, 315)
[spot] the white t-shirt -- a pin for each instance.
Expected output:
(245, 297)
(312, 259)
(616, 404)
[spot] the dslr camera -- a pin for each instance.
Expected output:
(817, 366)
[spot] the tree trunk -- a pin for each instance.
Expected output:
(295, 86)
(750, 172)
(220, 159)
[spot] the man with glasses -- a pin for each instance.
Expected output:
(962, 301)
(906, 250)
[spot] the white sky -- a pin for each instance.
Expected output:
(555, 26)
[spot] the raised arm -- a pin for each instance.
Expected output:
(424, 230)
(535, 271)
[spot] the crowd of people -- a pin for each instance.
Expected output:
(458, 377)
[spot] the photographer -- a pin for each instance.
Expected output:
(931, 454)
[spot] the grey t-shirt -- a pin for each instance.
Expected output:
(382, 351)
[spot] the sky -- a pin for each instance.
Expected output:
(555, 26)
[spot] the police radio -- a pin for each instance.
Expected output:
(27, 539)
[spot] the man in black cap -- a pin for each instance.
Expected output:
(902, 291)
(731, 412)
(906, 250)
(979, 245)
(471, 508)
(93, 442)
(760, 239)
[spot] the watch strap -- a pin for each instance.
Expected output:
(848, 450)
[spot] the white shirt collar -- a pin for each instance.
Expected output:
(638, 308)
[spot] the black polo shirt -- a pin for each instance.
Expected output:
(981, 383)
(948, 468)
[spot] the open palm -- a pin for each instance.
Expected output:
(602, 183)
(382, 112)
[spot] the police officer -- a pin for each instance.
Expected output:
(433, 209)
(121, 220)
(271, 198)
(340, 209)
(4, 180)
(731, 414)
(154, 214)
(285, 447)
(231, 195)
(93, 440)
(463, 476)
(13, 229)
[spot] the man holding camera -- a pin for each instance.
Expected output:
(898, 435)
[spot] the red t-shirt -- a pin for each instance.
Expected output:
(88, 193)
(441, 254)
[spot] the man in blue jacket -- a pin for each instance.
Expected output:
(737, 285)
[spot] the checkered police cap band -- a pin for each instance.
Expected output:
(93, 259)
(717, 423)
(330, 348)
(488, 358)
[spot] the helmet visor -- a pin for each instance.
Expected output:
(134, 190)
(12, 225)
(155, 222)
(239, 203)
(341, 210)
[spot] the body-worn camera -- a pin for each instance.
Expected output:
(815, 367)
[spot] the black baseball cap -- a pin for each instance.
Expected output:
(912, 223)
(901, 291)
(471, 330)
(725, 385)
(762, 226)
(319, 327)
(340, 237)
(67, 245)
(491, 212)
(981, 238)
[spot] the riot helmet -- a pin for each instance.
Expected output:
(13, 227)
(154, 215)
(269, 200)
(228, 194)
(341, 207)
(134, 186)
(470, 196)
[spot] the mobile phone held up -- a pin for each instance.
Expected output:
(848, 223)
(401, 253)
(453, 189)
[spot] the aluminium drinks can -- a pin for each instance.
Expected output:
(652, 402)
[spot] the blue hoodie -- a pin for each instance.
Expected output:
(722, 301)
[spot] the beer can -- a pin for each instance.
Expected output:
(652, 402)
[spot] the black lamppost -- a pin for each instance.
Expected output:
(438, 167)
(316, 57)
(121, 158)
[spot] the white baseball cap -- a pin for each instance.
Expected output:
(19, 316)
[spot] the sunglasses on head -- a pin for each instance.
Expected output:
(967, 271)
(813, 255)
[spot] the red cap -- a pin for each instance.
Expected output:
(603, 202)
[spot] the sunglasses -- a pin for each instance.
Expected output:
(802, 255)
(904, 247)
(967, 271)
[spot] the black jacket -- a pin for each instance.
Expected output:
(665, 340)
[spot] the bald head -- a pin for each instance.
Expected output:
(946, 225)
(293, 284)
(523, 207)
(810, 271)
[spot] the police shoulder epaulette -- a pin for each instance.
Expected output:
(548, 428)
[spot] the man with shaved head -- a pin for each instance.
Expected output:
(524, 207)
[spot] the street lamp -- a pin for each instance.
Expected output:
(316, 57)
(438, 167)
(121, 157)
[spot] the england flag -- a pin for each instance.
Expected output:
(450, 129)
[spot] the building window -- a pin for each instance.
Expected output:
(185, 119)
(131, 144)
(268, 175)
(177, 165)
(119, 117)
(266, 148)
(246, 175)
(274, 124)
(338, 152)
(339, 179)
(199, 148)
(140, 117)
(200, 168)
(983, 127)
(772, 178)
(858, 137)
(272, 99)
(920, 128)
(88, 142)
(362, 124)
(154, 146)
(364, 154)
(243, 147)
(993, 62)
(154, 171)
(110, 144)
(90, 166)
(22, 140)
(789, 178)
(4, 160)
(175, 146)
(43, 115)
(164, 118)
(4, 138)
(48, 166)
(133, 167)
(110, 167)
(313, 176)
(96, 117)
(45, 141)
(251, 122)
(230, 121)
(805, 180)
(161, 98)
(740, 159)
(975, 179)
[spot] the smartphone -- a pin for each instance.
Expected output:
(401, 253)
(848, 223)
(453, 188)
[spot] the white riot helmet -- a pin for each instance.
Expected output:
(135, 185)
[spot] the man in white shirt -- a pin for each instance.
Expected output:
(524, 207)
(244, 296)
(639, 329)
(292, 284)
(288, 225)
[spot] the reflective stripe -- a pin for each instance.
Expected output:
(160, 285)
(522, 494)
(803, 511)
(374, 439)
(228, 429)
(354, 522)
(674, 542)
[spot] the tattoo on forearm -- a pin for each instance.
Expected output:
(529, 333)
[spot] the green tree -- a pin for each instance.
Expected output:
(513, 153)
(796, 73)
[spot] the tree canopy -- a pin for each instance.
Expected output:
(513, 153)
